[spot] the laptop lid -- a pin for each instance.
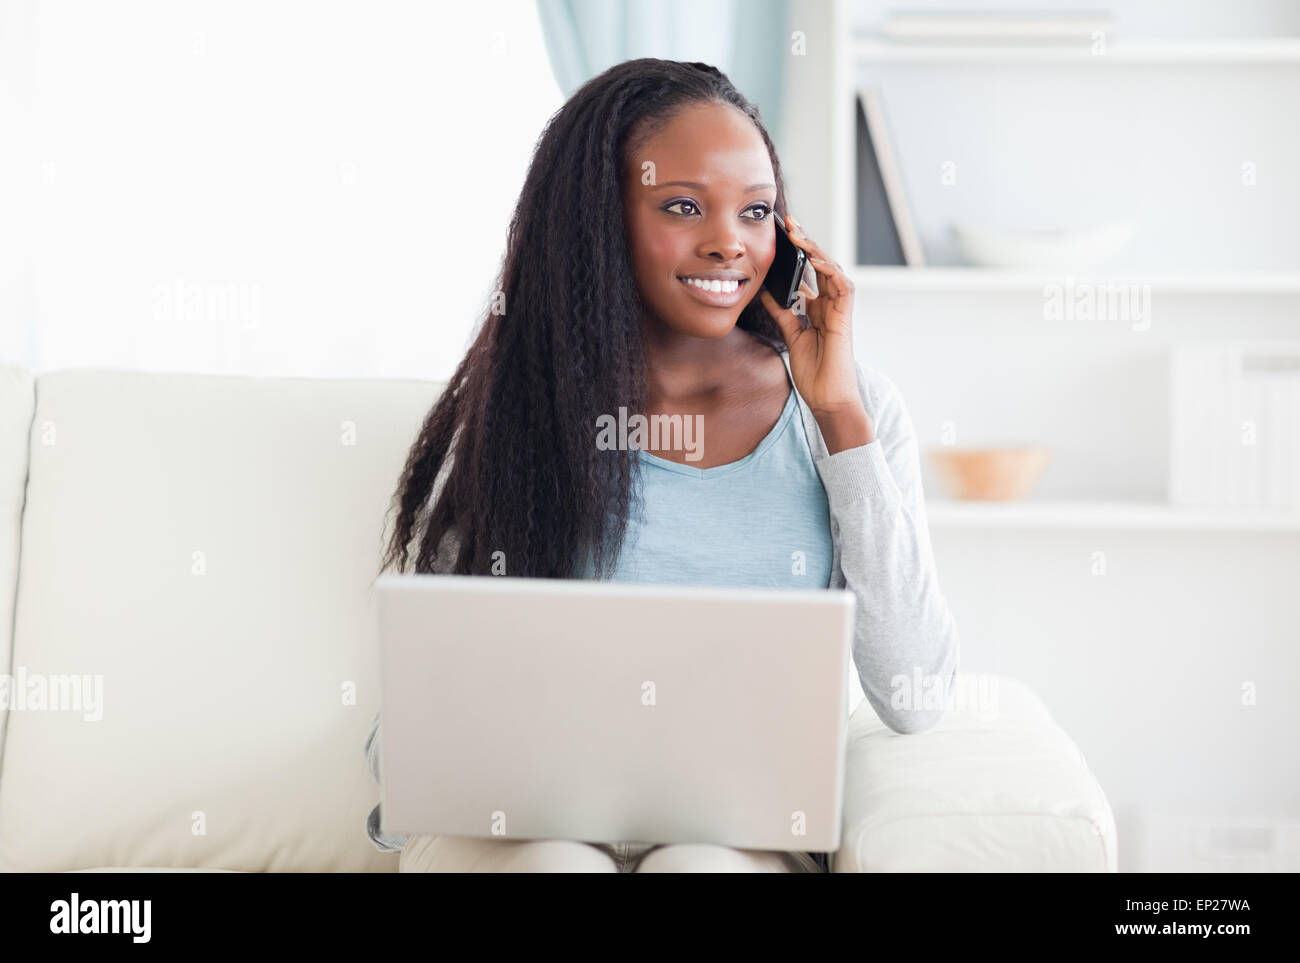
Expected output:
(610, 712)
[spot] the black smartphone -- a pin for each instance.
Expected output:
(787, 268)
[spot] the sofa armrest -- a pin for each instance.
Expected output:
(995, 786)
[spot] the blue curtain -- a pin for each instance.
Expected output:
(748, 41)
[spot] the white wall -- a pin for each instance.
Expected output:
(267, 188)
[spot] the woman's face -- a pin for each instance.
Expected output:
(703, 211)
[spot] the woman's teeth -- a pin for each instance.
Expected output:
(719, 287)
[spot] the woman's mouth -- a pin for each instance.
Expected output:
(718, 293)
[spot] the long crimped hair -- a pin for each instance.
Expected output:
(526, 478)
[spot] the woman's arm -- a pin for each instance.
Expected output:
(905, 644)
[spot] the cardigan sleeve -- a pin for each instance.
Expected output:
(905, 643)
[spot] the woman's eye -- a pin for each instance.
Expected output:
(759, 212)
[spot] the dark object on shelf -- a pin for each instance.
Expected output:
(885, 231)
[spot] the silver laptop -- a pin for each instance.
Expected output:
(613, 712)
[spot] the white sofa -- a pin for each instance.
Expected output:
(206, 546)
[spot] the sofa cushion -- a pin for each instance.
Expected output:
(995, 786)
(151, 869)
(204, 546)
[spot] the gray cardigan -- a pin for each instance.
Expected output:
(904, 631)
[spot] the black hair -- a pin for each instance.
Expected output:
(526, 478)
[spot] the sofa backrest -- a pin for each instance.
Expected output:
(17, 400)
(195, 581)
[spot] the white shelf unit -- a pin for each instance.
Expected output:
(820, 143)
(973, 280)
(1106, 516)
(1211, 585)
(1117, 50)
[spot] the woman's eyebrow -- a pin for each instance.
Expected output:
(701, 187)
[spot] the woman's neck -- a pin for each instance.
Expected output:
(684, 370)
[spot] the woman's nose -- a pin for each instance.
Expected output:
(723, 242)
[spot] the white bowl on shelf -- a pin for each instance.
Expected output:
(1080, 249)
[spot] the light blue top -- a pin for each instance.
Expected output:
(760, 521)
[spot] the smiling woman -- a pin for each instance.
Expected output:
(633, 278)
(597, 319)
(709, 238)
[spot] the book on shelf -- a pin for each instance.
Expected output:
(886, 232)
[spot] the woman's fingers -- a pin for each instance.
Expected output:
(838, 290)
(828, 289)
(842, 283)
(802, 240)
(827, 273)
(785, 318)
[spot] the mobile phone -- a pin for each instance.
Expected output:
(787, 268)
